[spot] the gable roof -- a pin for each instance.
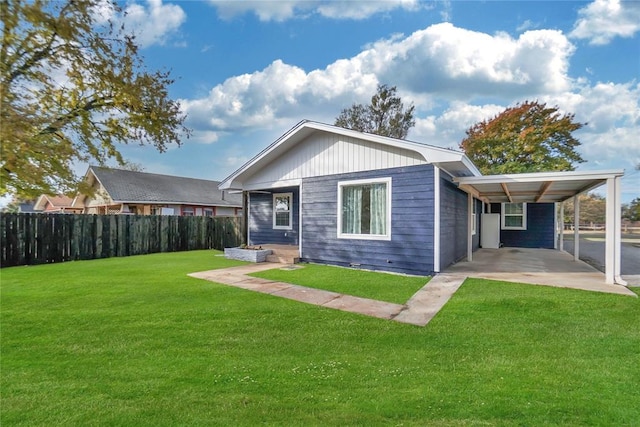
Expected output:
(55, 202)
(125, 186)
(454, 162)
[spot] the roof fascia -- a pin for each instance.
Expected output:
(541, 176)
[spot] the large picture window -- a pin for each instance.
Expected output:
(364, 209)
(514, 216)
(282, 211)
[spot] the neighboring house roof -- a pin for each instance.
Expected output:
(125, 186)
(52, 203)
(26, 207)
(454, 162)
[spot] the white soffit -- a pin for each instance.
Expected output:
(543, 187)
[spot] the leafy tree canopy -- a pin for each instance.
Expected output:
(632, 210)
(529, 137)
(385, 116)
(592, 209)
(74, 87)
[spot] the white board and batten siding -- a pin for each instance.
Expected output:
(323, 154)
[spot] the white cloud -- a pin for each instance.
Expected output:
(612, 114)
(603, 20)
(444, 58)
(441, 61)
(283, 10)
(153, 23)
(448, 129)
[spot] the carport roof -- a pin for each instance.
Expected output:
(542, 187)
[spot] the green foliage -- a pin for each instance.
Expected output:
(135, 341)
(632, 210)
(529, 137)
(385, 116)
(592, 209)
(74, 86)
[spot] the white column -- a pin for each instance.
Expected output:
(436, 219)
(561, 244)
(576, 228)
(617, 243)
(469, 227)
(610, 249)
(300, 220)
(613, 241)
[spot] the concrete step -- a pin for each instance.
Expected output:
(283, 259)
(283, 254)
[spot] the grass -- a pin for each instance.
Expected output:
(366, 284)
(134, 341)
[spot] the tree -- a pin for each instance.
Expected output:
(74, 87)
(592, 209)
(632, 210)
(529, 137)
(385, 116)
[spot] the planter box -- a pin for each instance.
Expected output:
(251, 255)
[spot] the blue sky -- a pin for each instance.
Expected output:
(247, 71)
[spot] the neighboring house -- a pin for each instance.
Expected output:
(26, 207)
(117, 191)
(54, 204)
(354, 199)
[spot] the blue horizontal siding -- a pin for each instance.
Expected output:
(453, 222)
(540, 232)
(410, 249)
(261, 230)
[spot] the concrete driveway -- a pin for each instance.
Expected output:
(592, 250)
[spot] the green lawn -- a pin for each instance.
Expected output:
(366, 284)
(135, 342)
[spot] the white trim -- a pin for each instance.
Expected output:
(503, 214)
(470, 230)
(436, 219)
(474, 216)
(273, 211)
(262, 186)
(541, 176)
(561, 243)
(300, 220)
(387, 236)
(248, 218)
(617, 234)
(576, 228)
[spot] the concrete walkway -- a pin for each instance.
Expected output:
(532, 266)
(419, 310)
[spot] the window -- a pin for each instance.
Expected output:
(514, 216)
(208, 211)
(282, 212)
(364, 209)
(187, 211)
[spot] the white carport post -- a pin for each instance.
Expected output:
(613, 242)
(561, 239)
(576, 228)
(470, 227)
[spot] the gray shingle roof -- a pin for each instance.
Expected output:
(126, 186)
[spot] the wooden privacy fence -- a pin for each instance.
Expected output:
(29, 239)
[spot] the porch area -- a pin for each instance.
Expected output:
(547, 267)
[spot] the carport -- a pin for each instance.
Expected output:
(553, 187)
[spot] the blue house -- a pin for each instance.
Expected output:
(348, 198)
